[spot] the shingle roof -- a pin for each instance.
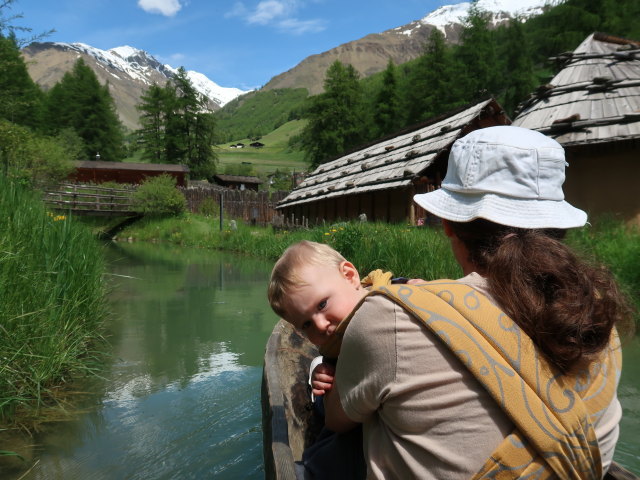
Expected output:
(145, 167)
(594, 99)
(391, 163)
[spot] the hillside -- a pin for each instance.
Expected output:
(258, 113)
(274, 155)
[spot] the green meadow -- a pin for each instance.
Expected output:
(275, 155)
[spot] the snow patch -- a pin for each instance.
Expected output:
(449, 14)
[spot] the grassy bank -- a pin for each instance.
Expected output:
(366, 245)
(51, 303)
(407, 251)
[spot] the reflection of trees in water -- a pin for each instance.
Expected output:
(179, 309)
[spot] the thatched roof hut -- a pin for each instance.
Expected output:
(380, 179)
(592, 107)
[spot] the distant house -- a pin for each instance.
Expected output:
(381, 179)
(256, 144)
(592, 107)
(95, 171)
(240, 182)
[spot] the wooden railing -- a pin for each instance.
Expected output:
(91, 200)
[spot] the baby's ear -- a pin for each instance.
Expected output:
(350, 272)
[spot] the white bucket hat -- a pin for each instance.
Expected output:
(508, 175)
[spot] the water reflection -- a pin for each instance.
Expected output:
(181, 395)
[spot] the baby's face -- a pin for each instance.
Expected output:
(329, 295)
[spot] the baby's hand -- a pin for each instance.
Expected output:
(322, 379)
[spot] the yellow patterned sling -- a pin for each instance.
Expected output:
(552, 413)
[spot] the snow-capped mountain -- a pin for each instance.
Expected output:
(138, 63)
(128, 71)
(501, 9)
(370, 54)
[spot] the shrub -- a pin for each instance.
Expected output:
(209, 208)
(32, 159)
(159, 195)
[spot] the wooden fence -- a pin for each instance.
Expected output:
(91, 200)
(255, 208)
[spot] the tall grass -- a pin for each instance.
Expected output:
(406, 251)
(617, 246)
(51, 301)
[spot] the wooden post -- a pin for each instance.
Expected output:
(221, 211)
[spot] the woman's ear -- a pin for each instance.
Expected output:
(350, 272)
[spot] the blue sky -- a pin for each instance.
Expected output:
(238, 44)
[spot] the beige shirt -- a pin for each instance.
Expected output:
(424, 414)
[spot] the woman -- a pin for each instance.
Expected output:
(510, 371)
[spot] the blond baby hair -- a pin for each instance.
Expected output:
(284, 276)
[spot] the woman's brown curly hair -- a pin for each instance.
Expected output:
(567, 306)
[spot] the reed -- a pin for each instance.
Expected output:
(52, 302)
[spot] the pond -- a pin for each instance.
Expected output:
(180, 397)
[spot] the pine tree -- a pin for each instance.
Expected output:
(176, 127)
(152, 120)
(432, 85)
(20, 98)
(202, 162)
(518, 78)
(335, 116)
(80, 102)
(188, 103)
(386, 114)
(477, 56)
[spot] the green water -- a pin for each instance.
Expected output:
(180, 397)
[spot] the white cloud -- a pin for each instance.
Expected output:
(238, 10)
(267, 11)
(167, 8)
(276, 13)
(298, 27)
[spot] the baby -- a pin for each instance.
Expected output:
(314, 288)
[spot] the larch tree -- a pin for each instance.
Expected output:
(477, 56)
(176, 126)
(386, 109)
(518, 77)
(151, 134)
(335, 117)
(80, 102)
(20, 98)
(433, 86)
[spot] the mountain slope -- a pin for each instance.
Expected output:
(128, 71)
(371, 53)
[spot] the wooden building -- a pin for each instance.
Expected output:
(95, 171)
(380, 179)
(592, 107)
(240, 182)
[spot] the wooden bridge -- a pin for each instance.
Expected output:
(92, 200)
